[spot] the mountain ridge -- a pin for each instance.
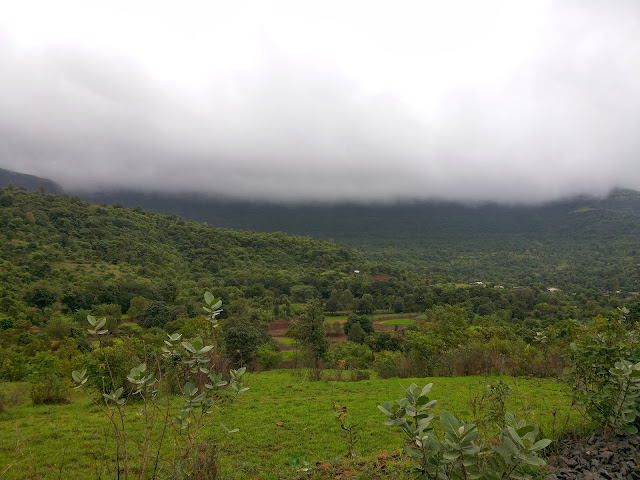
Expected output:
(29, 182)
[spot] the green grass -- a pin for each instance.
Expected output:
(398, 321)
(343, 318)
(286, 340)
(384, 315)
(335, 318)
(42, 441)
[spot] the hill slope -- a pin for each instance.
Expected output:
(56, 249)
(581, 241)
(30, 182)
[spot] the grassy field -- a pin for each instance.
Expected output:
(398, 321)
(284, 419)
(343, 318)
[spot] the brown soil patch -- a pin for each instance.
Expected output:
(380, 277)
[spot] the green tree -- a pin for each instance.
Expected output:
(241, 341)
(155, 315)
(448, 323)
(303, 293)
(366, 305)
(137, 306)
(313, 335)
(356, 334)
(363, 321)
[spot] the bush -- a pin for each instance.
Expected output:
(605, 374)
(139, 441)
(47, 386)
(488, 357)
(59, 328)
(268, 356)
(49, 390)
(358, 375)
(387, 364)
(356, 334)
(242, 341)
(461, 454)
(155, 315)
(350, 355)
(364, 321)
(121, 357)
(386, 341)
(13, 366)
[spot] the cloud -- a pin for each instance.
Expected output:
(325, 101)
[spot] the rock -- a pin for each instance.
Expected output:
(598, 457)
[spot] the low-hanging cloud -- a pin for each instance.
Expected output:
(325, 101)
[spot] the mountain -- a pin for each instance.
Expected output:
(582, 241)
(59, 251)
(29, 182)
(348, 221)
(578, 241)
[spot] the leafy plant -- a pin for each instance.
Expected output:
(461, 454)
(497, 394)
(617, 404)
(605, 375)
(47, 386)
(346, 424)
(518, 451)
(200, 394)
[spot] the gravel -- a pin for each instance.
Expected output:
(597, 457)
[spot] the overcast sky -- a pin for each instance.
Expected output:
(508, 101)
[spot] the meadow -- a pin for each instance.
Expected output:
(286, 425)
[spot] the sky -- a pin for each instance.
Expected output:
(503, 101)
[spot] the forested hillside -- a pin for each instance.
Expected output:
(59, 250)
(576, 242)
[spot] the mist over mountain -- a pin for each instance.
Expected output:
(348, 221)
(495, 101)
(580, 241)
(29, 182)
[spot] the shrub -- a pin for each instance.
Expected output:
(268, 356)
(241, 341)
(59, 328)
(13, 366)
(350, 355)
(155, 315)
(139, 443)
(364, 321)
(461, 454)
(387, 364)
(358, 375)
(605, 374)
(386, 341)
(47, 386)
(121, 358)
(356, 334)
(48, 390)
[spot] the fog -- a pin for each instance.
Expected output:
(289, 101)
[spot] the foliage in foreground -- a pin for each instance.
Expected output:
(201, 396)
(606, 374)
(461, 454)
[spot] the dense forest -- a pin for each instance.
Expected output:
(581, 241)
(62, 258)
